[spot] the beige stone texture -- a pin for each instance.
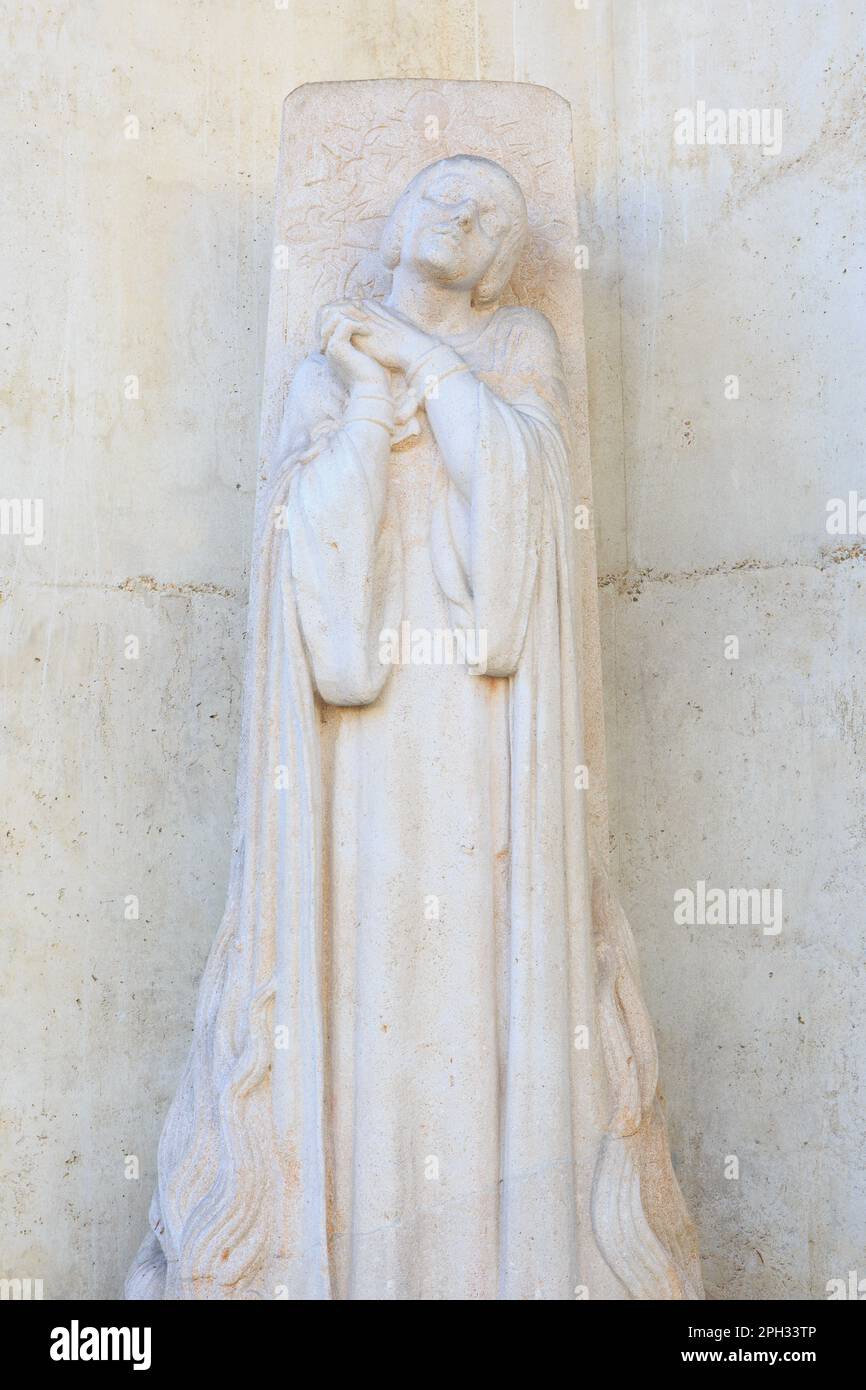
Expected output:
(149, 258)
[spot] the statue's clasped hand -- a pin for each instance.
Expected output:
(378, 332)
(365, 342)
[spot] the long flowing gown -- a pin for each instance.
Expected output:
(422, 1068)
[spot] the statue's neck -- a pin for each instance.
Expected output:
(434, 308)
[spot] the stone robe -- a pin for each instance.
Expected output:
(422, 1068)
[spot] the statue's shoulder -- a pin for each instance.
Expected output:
(525, 337)
(520, 316)
(313, 374)
(314, 401)
(314, 391)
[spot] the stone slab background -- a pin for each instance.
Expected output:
(148, 258)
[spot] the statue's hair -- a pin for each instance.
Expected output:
(498, 274)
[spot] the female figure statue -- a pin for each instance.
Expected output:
(422, 1068)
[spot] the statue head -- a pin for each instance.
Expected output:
(460, 223)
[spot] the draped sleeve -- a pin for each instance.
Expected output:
(486, 548)
(341, 556)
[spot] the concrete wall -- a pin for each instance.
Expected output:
(147, 259)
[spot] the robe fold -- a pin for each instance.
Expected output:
(422, 1067)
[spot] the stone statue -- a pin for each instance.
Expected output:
(422, 1067)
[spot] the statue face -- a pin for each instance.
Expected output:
(454, 227)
